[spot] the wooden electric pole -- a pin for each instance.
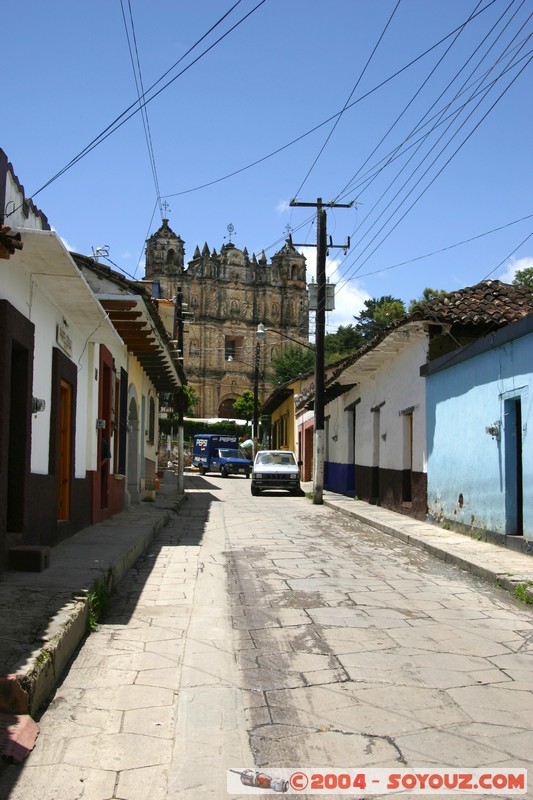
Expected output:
(320, 332)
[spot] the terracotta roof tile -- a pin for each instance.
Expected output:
(487, 303)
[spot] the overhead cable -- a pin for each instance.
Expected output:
(433, 179)
(475, 94)
(329, 119)
(113, 127)
(137, 74)
(338, 118)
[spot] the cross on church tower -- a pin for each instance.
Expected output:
(288, 232)
(164, 206)
(230, 229)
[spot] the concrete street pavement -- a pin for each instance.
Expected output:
(160, 708)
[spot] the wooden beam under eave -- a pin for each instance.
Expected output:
(125, 325)
(124, 316)
(119, 305)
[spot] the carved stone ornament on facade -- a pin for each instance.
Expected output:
(226, 295)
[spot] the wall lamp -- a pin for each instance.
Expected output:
(494, 430)
(37, 405)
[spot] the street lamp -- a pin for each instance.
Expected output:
(260, 335)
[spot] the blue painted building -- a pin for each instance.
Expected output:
(480, 457)
(383, 445)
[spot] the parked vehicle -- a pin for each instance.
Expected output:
(276, 469)
(214, 452)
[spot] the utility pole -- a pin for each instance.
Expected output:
(320, 332)
(255, 423)
(259, 335)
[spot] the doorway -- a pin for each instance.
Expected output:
(407, 472)
(376, 441)
(514, 492)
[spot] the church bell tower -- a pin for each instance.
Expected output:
(165, 253)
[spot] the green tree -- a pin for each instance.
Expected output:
(185, 399)
(192, 399)
(346, 339)
(244, 406)
(427, 295)
(377, 314)
(290, 362)
(524, 277)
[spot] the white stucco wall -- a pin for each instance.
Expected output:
(15, 216)
(398, 386)
(22, 289)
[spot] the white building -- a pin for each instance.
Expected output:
(78, 389)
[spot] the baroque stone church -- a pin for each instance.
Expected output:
(225, 296)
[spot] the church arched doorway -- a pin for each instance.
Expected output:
(226, 409)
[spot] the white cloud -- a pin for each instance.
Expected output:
(349, 297)
(69, 247)
(349, 302)
(282, 206)
(513, 266)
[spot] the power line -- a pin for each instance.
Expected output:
(137, 74)
(411, 101)
(417, 141)
(431, 182)
(330, 118)
(426, 171)
(351, 275)
(368, 177)
(484, 92)
(508, 256)
(113, 127)
(439, 115)
(459, 30)
(444, 249)
(358, 81)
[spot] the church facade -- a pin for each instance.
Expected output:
(226, 295)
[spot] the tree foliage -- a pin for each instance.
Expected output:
(377, 314)
(524, 277)
(192, 398)
(347, 339)
(244, 405)
(185, 400)
(290, 362)
(427, 295)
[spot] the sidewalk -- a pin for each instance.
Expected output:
(44, 615)
(499, 565)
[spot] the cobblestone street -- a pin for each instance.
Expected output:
(269, 632)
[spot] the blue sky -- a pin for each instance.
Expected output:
(433, 143)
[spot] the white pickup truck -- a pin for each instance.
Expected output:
(276, 469)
